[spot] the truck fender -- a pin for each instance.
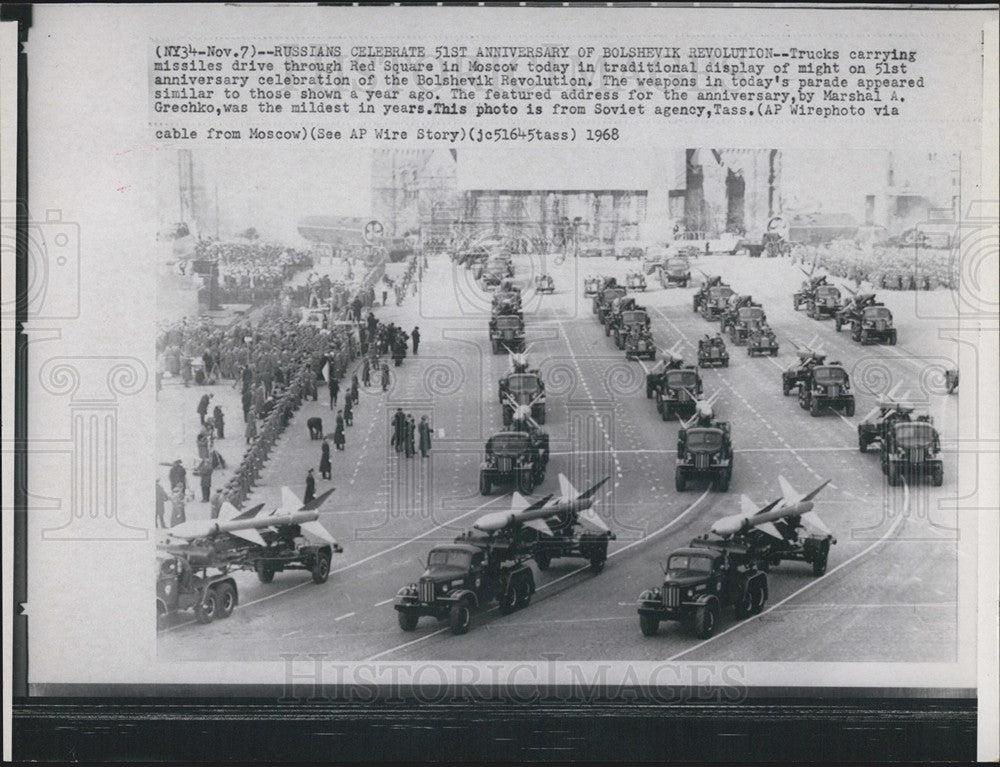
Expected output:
(516, 574)
(704, 599)
(463, 593)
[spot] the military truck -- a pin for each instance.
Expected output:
(639, 343)
(712, 352)
(545, 284)
(507, 330)
(793, 377)
(702, 292)
(826, 386)
(604, 301)
(621, 322)
(675, 271)
(514, 456)
(704, 452)
(676, 392)
(635, 281)
(762, 340)
(465, 576)
(713, 304)
(522, 389)
(912, 449)
(699, 581)
(877, 424)
(506, 302)
(747, 320)
(191, 580)
(807, 292)
(825, 302)
(591, 285)
(656, 378)
(874, 326)
(852, 310)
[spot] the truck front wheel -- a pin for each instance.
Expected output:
(543, 560)
(706, 618)
(407, 621)
(819, 564)
(649, 625)
(460, 617)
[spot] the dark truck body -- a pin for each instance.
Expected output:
(874, 326)
(676, 391)
(675, 271)
(639, 343)
(507, 330)
(746, 319)
(604, 299)
(704, 452)
(523, 388)
(701, 580)
(714, 304)
(619, 324)
(826, 386)
(825, 302)
(762, 341)
(712, 353)
(912, 450)
(517, 457)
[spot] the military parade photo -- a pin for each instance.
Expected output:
(474, 404)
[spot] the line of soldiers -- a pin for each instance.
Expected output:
(404, 431)
(890, 268)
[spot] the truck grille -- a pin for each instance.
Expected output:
(426, 591)
(833, 390)
(505, 464)
(915, 455)
(683, 396)
(671, 596)
(702, 460)
(880, 325)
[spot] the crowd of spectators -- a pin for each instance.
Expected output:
(882, 266)
(250, 272)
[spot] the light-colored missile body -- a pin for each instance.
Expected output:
(791, 504)
(534, 515)
(247, 525)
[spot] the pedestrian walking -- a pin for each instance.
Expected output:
(354, 388)
(366, 372)
(334, 386)
(177, 515)
(161, 504)
(219, 422)
(178, 475)
(410, 430)
(338, 436)
(385, 376)
(398, 429)
(415, 337)
(349, 412)
(203, 407)
(325, 469)
(310, 487)
(425, 436)
(385, 296)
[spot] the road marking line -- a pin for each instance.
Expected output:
(348, 615)
(385, 601)
(879, 542)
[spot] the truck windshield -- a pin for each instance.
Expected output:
(829, 375)
(722, 291)
(452, 557)
(688, 562)
(827, 291)
(876, 313)
(682, 378)
(751, 314)
(705, 439)
(613, 293)
(915, 434)
(633, 318)
(677, 264)
(523, 384)
(510, 443)
(508, 322)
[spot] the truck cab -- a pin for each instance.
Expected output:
(507, 330)
(874, 326)
(524, 388)
(912, 449)
(704, 452)
(826, 386)
(676, 393)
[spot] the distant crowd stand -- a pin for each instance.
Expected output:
(882, 266)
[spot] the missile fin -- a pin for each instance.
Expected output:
(590, 518)
(811, 520)
(249, 513)
(317, 530)
(815, 492)
(593, 490)
(788, 493)
(747, 506)
(518, 502)
(566, 488)
(771, 530)
(539, 525)
(228, 512)
(318, 501)
(250, 534)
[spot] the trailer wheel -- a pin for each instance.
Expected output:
(264, 570)
(205, 610)
(706, 617)
(758, 594)
(460, 616)
(543, 559)
(484, 483)
(321, 567)
(598, 557)
(744, 603)
(407, 621)
(522, 593)
(225, 599)
(649, 625)
(819, 564)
